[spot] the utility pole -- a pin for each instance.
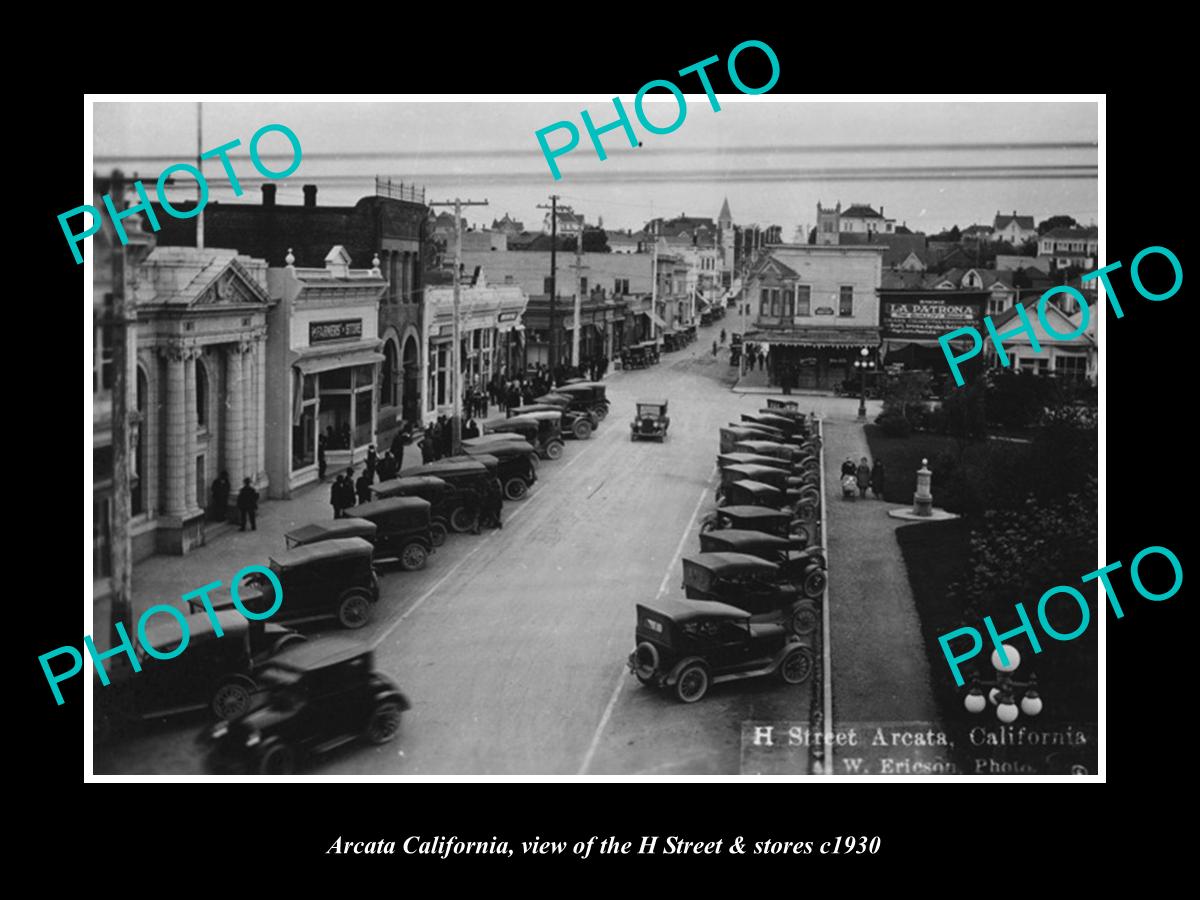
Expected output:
(579, 267)
(455, 347)
(199, 168)
(653, 275)
(553, 207)
(122, 566)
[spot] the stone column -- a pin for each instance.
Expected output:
(175, 423)
(234, 418)
(191, 354)
(260, 404)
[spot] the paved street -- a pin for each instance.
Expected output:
(511, 645)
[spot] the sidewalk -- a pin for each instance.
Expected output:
(880, 669)
(164, 579)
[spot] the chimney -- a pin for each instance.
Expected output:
(268, 194)
(881, 210)
(310, 195)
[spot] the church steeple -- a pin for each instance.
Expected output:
(726, 217)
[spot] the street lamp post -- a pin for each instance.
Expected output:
(1003, 690)
(862, 364)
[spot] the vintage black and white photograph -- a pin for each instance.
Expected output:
(410, 458)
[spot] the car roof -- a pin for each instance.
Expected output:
(499, 451)
(551, 415)
(771, 444)
(579, 385)
(756, 487)
(501, 437)
(408, 482)
(354, 546)
(741, 458)
(354, 527)
(652, 403)
(448, 467)
(319, 653)
(753, 470)
(388, 505)
(163, 631)
(742, 537)
(726, 561)
(678, 609)
(752, 512)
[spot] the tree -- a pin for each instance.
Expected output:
(965, 411)
(1056, 222)
(812, 235)
(595, 240)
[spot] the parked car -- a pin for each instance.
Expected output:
(578, 424)
(750, 583)
(754, 518)
(752, 459)
(587, 395)
(443, 499)
(799, 564)
(794, 425)
(689, 646)
(329, 531)
(650, 421)
(321, 695)
(542, 430)
(731, 435)
(329, 579)
(516, 464)
(753, 493)
(775, 477)
(789, 452)
(469, 477)
(404, 531)
(217, 673)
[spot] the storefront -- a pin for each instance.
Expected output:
(912, 320)
(324, 356)
(819, 359)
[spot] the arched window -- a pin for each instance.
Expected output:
(201, 394)
(137, 486)
(387, 374)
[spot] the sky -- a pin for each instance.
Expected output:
(929, 165)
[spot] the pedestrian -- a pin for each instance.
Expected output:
(849, 468)
(321, 461)
(372, 464)
(349, 497)
(714, 348)
(362, 487)
(221, 489)
(426, 445)
(877, 480)
(493, 502)
(864, 477)
(388, 467)
(483, 405)
(335, 497)
(248, 504)
(722, 337)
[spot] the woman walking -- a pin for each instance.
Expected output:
(877, 480)
(864, 477)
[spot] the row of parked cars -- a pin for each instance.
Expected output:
(280, 695)
(753, 594)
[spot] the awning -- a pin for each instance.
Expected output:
(324, 361)
(817, 337)
(656, 320)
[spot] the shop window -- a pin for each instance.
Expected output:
(363, 407)
(201, 394)
(803, 300)
(304, 437)
(846, 301)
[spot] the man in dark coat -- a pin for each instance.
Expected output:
(248, 504)
(348, 495)
(372, 464)
(877, 480)
(388, 467)
(397, 447)
(221, 489)
(362, 487)
(426, 445)
(493, 501)
(321, 462)
(335, 497)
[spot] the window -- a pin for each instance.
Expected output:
(765, 305)
(789, 303)
(201, 394)
(621, 286)
(997, 305)
(846, 301)
(547, 285)
(1073, 368)
(387, 375)
(803, 300)
(774, 302)
(102, 378)
(583, 287)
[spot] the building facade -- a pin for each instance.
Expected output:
(1066, 248)
(1014, 229)
(324, 353)
(815, 308)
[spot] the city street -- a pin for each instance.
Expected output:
(511, 645)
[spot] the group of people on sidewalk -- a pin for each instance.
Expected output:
(247, 501)
(862, 476)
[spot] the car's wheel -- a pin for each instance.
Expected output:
(693, 683)
(806, 512)
(413, 557)
(645, 658)
(797, 666)
(286, 642)
(554, 450)
(582, 429)
(805, 620)
(709, 524)
(601, 411)
(463, 520)
(231, 701)
(276, 758)
(516, 489)
(437, 533)
(814, 582)
(354, 610)
(384, 723)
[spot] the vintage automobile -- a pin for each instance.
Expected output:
(650, 421)
(753, 493)
(217, 673)
(578, 424)
(328, 531)
(732, 435)
(725, 460)
(320, 696)
(768, 432)
(443, 500)
(798, 563)
(754, 518)
(404, 530)
(690, 646)
(779, 406)
(329, 579)
(587, 395)
(789, 452)
(784, 425)
(542, 430)
(751, 583)
(777, 478)
(635, 357)
(471, 480)
(516, 464)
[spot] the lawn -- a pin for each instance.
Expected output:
(902, 457)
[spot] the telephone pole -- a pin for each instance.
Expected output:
(579, 267)
(554, 208)
(455, 348)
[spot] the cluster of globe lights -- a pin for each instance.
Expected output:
(1001, 695)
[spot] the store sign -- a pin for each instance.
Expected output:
(508, 316)
(340, 330)
(824, 311)
(927, 316)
